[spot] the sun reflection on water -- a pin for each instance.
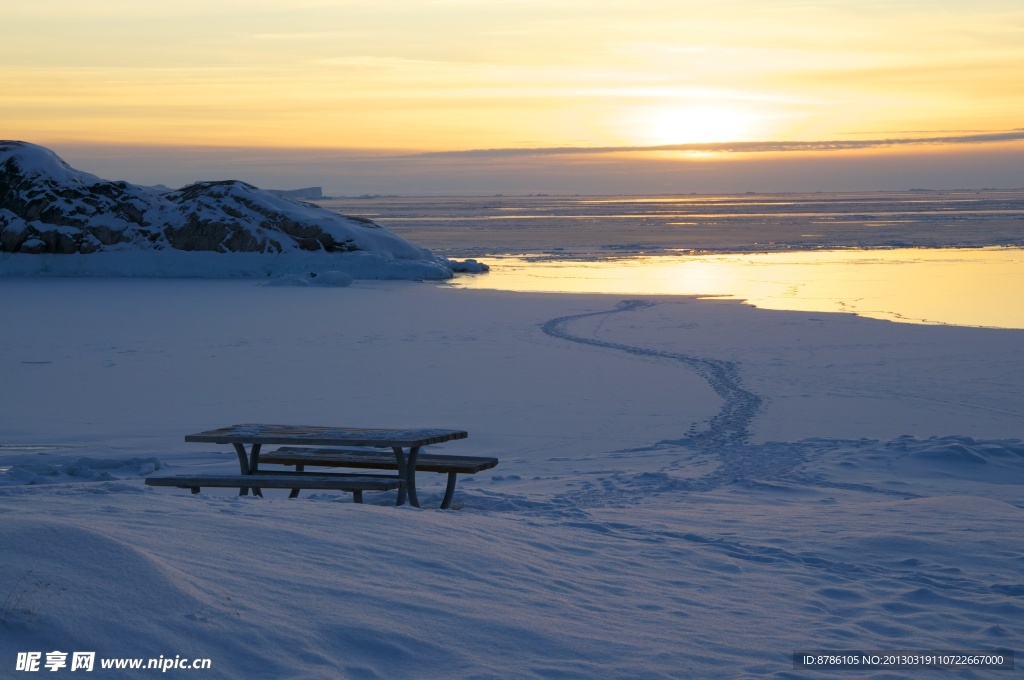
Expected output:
(964, 287)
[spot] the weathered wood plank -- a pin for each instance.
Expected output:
(379, 460)
(325, 436)
(287, 480)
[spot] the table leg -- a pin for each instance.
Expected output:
(407, 471)
(411, 475)
(295, 492)
(248, 464)
(449, 491)
(254, 458)
(243, 458)
(403, 472)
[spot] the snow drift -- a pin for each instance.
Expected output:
(57, 215)
(877, 504)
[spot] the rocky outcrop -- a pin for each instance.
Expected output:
(221, 216)
(46, 206)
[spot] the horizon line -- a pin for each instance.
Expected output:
(1017, 134)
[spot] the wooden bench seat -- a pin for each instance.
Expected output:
(380, 460)
(357, 484)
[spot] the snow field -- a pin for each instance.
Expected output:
(875, 503)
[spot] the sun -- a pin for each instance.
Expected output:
(697, 125)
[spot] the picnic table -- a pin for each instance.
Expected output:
(405, 445)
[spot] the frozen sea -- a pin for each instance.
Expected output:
(940, 257)
(689, 486)
(610, 226)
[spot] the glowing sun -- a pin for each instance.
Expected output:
(696, 125)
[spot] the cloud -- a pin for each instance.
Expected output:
(743, 147)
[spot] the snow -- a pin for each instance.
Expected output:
(134, 263)
(687, 488)
(57, 221)
(39, 161)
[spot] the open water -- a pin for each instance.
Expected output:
(947, 257)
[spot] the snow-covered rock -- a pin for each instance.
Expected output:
(469, 266)
(49, 208)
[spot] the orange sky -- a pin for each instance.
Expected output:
(444, 75)
(459, 74)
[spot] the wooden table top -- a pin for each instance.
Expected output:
(325, 436)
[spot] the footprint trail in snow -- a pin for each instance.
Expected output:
(722, 437)
(729, 427)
